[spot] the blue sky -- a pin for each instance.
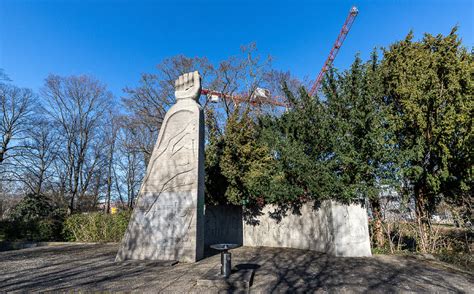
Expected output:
(115, 41)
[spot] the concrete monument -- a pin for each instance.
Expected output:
(167, 222)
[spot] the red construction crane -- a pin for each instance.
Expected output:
(262, 96)
(335, 49)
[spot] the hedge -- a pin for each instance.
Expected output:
(96, 227)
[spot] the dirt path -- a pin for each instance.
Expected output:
(92, 267)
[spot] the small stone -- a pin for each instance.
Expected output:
(428, 256)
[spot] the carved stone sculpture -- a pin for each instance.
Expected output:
(167, 222)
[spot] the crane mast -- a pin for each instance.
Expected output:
(335, 49)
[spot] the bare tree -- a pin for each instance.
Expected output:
(128, 169)
(240, 76)
(16, 108)
(111, 131)
(93, 177)
(76, 106)
(147, 104)
(35, 163)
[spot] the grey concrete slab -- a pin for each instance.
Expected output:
(92, 268)
(241, 278)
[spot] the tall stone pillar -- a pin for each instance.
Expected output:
(167, 222)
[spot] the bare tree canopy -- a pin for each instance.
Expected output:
(75, 145)
(77, 107)
(16, 106)
(240, 75)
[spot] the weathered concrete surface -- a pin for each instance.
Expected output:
(349, 230)
(336, 229)
(92, 268)
(168, 221)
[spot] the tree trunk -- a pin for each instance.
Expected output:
(109, 180)
(378, 236)
(3, 150)
(422, 218)
(97, 189)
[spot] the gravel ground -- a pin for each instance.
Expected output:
(91, 267)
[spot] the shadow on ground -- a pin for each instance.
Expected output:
(92, 267)
(291, 270)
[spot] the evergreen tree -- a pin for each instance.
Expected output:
(429, 86)
(215, 182)
(361, 135)
(243, 159)
(35, 218)
(301, 164)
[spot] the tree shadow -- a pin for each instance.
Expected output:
(92, 267)
(294, 270)
(247, 271)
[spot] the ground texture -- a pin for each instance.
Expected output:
(92, 267)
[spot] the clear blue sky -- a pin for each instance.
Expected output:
(115, 41)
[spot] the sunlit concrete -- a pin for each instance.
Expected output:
(167, 222)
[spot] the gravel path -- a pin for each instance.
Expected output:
(92, 267)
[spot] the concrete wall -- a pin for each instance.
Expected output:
(306, 231)
(339, 230)
(350, 230)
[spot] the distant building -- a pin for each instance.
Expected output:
(395, 208)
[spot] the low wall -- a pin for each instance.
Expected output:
(339, 230)
(307, 230)
(350, 230)
(333, 228)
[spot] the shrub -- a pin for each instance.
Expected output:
(96, 227)
(31, 208)
(447, 243)
(34, 219)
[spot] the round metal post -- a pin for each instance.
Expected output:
(226, 264)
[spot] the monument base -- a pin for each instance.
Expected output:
(165, 231)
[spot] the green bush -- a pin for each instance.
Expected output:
(47, 229)
(4, 228)
(96, 227)
(34, 219)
